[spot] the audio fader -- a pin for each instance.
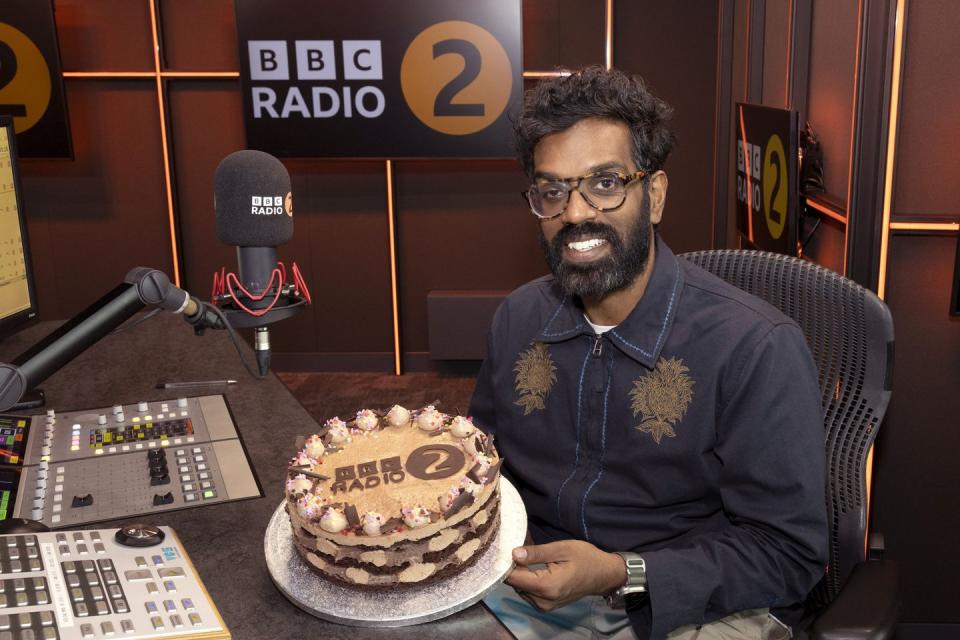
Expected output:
(76, 467)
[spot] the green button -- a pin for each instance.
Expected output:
(209, 493)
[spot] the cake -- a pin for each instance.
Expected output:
(393, 499)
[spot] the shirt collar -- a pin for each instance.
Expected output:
(642, 335)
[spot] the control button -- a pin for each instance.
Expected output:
(107, 628)
(35, 564)
(97, 593)
(189, 497)
(109, 577)
(202, 467)
(102, 608)
(187, 604)
(102, 419)
(82, 501)
(76, 594)
(171, 572)
(195, 619)
(152, 587)
(181, 460)
(169, 586)
(16, 566)
(199, 458)
(176, 621)
(188, 486)
(81, 609)
(204, 476)
(82, 549)
(73, 580)
(157, 560)
(142, 406)
(127, 625)
(86, 630)
(157, 622)
(88, 566)
(99, 548)
(19, 584)
(3, 602)
(182, 403)
(95, 535)
(106, 564)
(14, 553)
(64, 550)
(119, 417)
(206, 484)
(116, 409)
(140, 561)
(209, 494)
(69, 566)
(183, 469)
(46, 618)
(42, 597)
(22, 600)
(120, 606)
(156, 481)
(169, 606)
(61, 537)
(151, 606)
(137, 575)
(115, 591)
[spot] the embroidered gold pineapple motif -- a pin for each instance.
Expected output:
(536, 374)
(661, 397)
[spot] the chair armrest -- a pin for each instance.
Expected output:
(866, 608)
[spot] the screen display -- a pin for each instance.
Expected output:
(14, 284)
(13, 439)
(9, 481)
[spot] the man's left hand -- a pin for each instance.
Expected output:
(573, 569)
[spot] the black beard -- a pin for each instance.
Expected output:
(626, 262)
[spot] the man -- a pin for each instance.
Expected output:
(644, 407)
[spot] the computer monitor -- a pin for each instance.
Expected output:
(18, 302)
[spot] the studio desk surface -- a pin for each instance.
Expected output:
(225, 541)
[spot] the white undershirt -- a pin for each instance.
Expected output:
(599, 329)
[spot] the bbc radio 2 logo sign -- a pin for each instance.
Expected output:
(378, 80)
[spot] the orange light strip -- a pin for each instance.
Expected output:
(853, 125)
(545, 74)
(813, 204)
(608, 35)
(892, 122)
(124, 75)
(925, 226)
(397, 370)
(164, 142)
(109, 74)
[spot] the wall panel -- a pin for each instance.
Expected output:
(776, 52)
(645, 34)
(833, 56)
(916, 503)
(927, 160)
(199, 36)
(92, 219)
(104, 35)
(562, 33)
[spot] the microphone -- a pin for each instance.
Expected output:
(254, 212)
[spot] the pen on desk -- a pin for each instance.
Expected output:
(197, 383)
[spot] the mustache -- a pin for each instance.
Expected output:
(587, 229)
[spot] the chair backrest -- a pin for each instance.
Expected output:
(850, 332)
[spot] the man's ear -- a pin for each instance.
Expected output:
(657, 192)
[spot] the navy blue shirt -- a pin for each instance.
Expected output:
(691, 433)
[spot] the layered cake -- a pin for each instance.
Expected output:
(400, 498)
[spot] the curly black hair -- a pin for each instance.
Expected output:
(595, 92)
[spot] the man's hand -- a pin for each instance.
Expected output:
(573, 569)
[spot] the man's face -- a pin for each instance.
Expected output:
(592, 253)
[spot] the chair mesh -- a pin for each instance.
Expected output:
(850, 333)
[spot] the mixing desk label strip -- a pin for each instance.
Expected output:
(77, 467)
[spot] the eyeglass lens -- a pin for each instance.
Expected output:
(601, 191)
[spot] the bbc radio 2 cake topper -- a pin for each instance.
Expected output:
(419, 78)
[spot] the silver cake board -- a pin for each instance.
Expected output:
(414, 604)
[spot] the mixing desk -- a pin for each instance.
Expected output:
(72, 468)
(136, 582)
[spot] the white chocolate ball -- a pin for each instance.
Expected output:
(461, 427)
(430, 419)
(398, 416)
(367, 420)
(333, 520)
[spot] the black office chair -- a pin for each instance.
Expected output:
(850, 332)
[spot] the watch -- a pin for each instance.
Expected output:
(635, 588)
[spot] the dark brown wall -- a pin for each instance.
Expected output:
(917, 498)
(460, 224)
